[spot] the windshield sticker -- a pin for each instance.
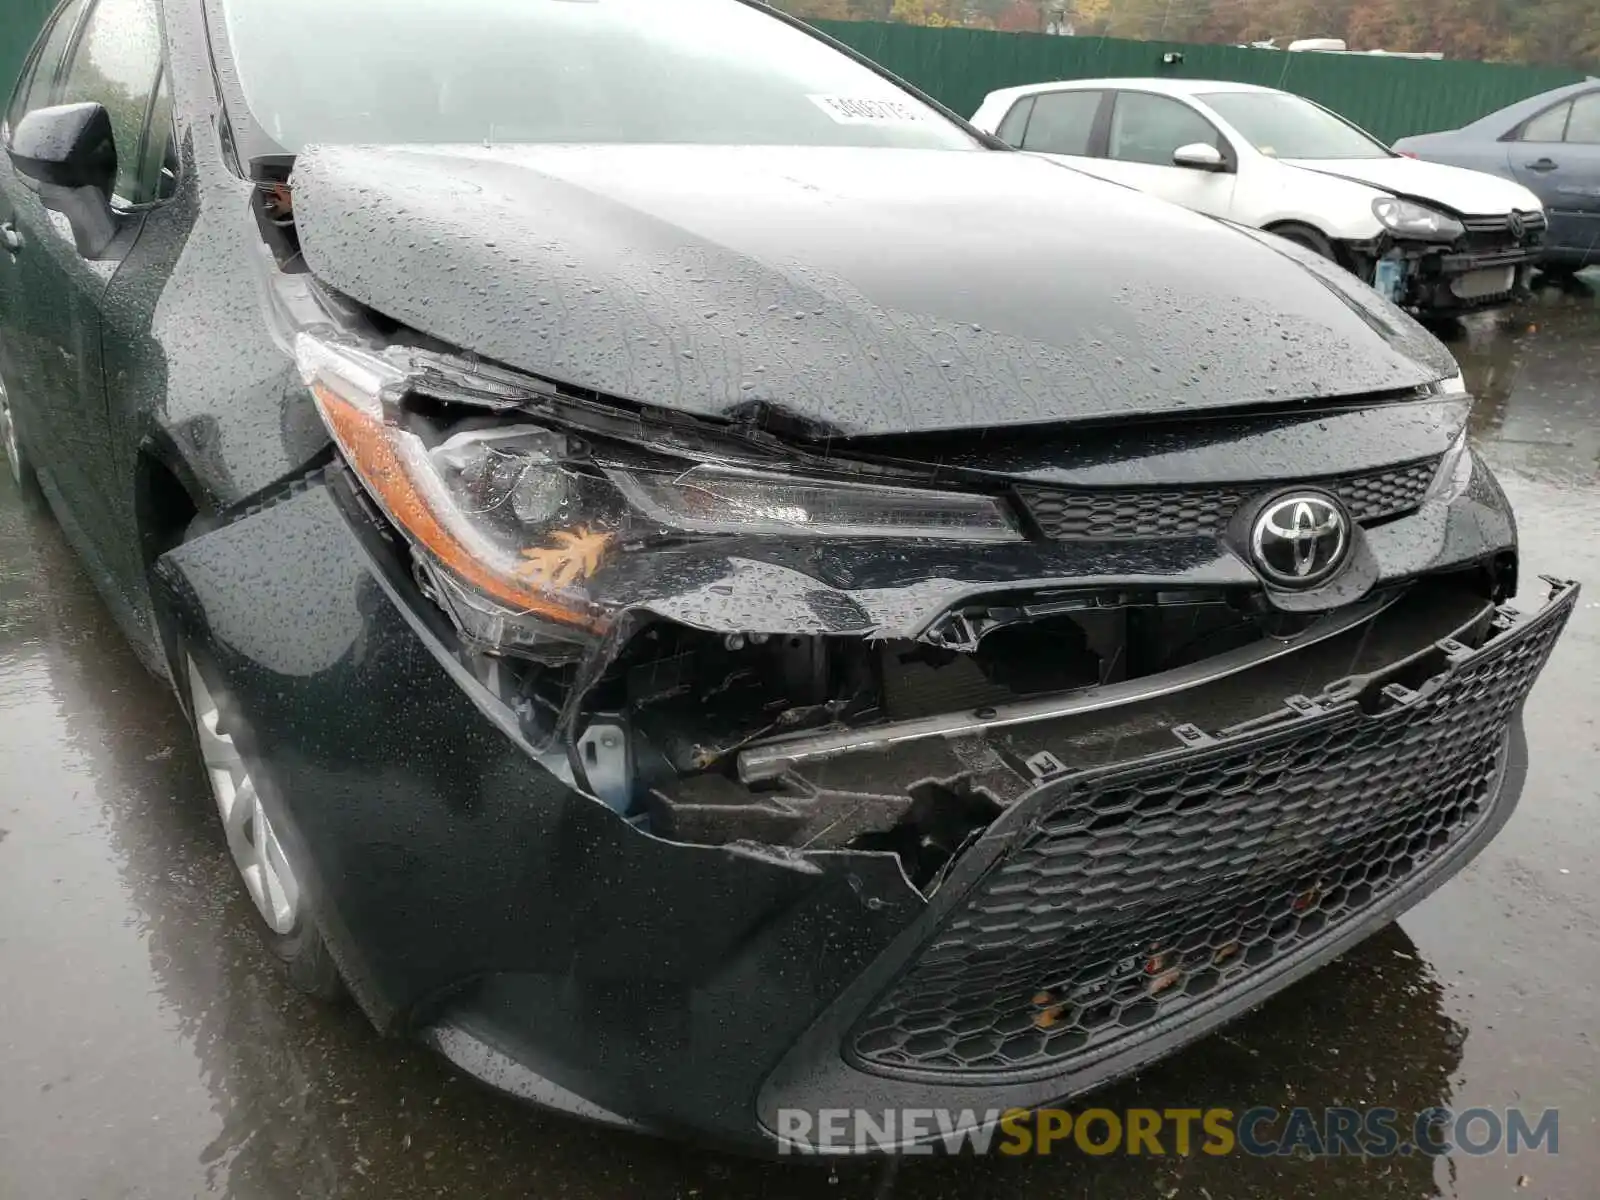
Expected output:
(860, 110)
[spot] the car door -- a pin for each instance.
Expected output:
(1060, 124)
(1142, 134)
(114, 60)
(135, 362)
(1557, 155)
(28, 305)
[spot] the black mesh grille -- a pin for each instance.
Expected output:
(1198, 511)
(1146, 888)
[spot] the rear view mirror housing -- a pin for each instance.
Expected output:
(69, 145)
(1198, 156)
(70, 153)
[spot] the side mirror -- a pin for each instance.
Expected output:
(1199, 157)
(67, 146)
(70, 152)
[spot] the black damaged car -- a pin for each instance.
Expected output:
(706, 587)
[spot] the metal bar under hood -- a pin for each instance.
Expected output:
(769, 760)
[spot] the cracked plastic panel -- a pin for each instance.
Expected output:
(1139, 891)
(670, 608)
(800, 653)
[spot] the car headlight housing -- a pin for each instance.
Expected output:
(724, 498)
(516, 522)
(1407, 218)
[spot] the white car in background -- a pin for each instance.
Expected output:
(1430, 237)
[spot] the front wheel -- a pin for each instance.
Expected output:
(16, 457)
(283, 919)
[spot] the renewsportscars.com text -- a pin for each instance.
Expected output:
(1260, 1132)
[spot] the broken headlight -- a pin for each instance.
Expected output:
(515, 523)
(1409, 219)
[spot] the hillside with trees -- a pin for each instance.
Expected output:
(1548, 32)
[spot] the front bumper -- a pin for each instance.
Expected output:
(1490, 264)
(547, 945)
(1456, 282)
(1463, 280)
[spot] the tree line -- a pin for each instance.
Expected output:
(1546, 32)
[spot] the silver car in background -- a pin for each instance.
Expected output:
(1549, 143)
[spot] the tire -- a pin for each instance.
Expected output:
(278, 902)
(18, 464)
(1307, 238)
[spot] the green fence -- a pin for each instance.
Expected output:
(1390, 97)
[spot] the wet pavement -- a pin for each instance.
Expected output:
(147, 1051)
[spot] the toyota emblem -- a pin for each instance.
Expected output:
(1300, 539)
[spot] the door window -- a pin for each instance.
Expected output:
(1148, 129)
(117, 62)
(1062, 122)
(158, 162)
(1585, 123)
(1548, 126)
(1010, 131)
(33, 89)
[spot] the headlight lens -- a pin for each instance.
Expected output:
(458, 502)
(726, 499)
(1410, 219)
(517, 521)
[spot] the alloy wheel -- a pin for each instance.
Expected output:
(8, 435)
(256, 851)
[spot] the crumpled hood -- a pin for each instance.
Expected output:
(1473, 193)
(853, 292)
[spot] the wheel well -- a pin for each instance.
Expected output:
(163, 507)
(1337, 251)
(1282, 227)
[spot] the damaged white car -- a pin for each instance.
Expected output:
(1433, 238)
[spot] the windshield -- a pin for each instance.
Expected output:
(1284, 126)
(635, 71)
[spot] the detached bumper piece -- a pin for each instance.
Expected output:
(1141, 893)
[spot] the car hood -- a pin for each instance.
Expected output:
(842, 291)
(1473, 193)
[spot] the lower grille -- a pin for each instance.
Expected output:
(1146, 888)
(1116, 513)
